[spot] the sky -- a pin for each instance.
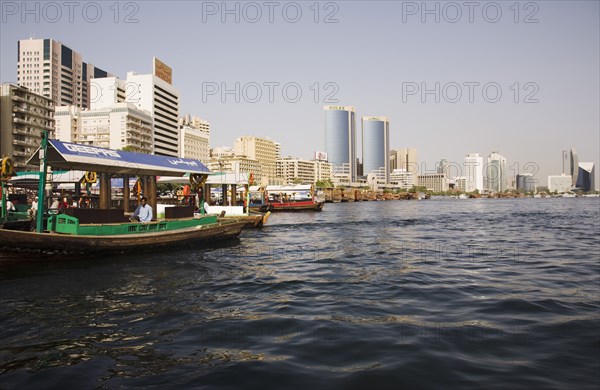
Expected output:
(520, 78)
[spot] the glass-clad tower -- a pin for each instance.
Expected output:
(340, 139)
(376, 145)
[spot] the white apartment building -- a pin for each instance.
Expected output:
(460, 183)
(307, 171)
(194, 138)
(221, 151)
(560, 183)
(119, 126)
(323, 171)
(67, 122)
(474, 172)
(401, 178)
(236, 165)
(196, 123)
(263, 150)
(194, 143)
(436, 182)
(51, 69)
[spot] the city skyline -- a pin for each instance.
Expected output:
(446, 54)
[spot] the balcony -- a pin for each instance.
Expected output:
(32, 112)
(22, 131)
(38, 124)
(19, 142)
(34, 102)
(19, 153)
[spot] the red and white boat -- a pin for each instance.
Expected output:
(293, 198)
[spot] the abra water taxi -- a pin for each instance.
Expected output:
(293, 198)
(106, 230)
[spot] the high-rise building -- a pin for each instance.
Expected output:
(525, 182)
(586, 177)
(573, 167)
(474, 172)
(118, 126)
(443, 168)
(153, 93)
(496, 173)
(376, 144)
(51, 69)
(156, 94)
(405, 158)
(340, 139)
(263, 150)
(24, 115)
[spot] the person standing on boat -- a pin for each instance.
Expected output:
(10, 206)
(143, 213)
(34, 207)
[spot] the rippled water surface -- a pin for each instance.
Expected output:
(398, 294)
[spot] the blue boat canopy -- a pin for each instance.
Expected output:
(66, 155)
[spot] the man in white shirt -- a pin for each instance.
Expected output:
(143, 213)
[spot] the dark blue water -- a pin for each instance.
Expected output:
(398, 294)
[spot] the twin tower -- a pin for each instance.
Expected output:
(340, 142)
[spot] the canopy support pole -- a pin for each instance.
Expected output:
(105, 190)
(233, 195)
(151, 193)
(39, 223)
(126, 193)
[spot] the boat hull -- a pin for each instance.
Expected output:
(250, 221)
(45, 244)
(297, 206)
(261, 208)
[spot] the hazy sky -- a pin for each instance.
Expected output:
(378, 56)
